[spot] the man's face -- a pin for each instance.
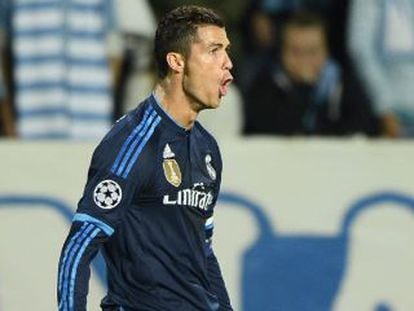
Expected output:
(207, 69)
(304, 53)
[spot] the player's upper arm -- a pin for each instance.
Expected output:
(112, 179)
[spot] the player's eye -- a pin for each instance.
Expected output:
(228, 51)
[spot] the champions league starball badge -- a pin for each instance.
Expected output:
(107, 194)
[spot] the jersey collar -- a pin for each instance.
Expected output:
(167, 117)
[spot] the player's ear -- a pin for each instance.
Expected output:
(175, 62)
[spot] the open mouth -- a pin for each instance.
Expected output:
(224, 86)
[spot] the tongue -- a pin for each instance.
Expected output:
(224, 89)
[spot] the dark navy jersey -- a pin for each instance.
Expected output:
(148, 206)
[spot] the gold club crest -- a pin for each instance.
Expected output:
(171, 168)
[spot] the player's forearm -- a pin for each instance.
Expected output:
(217, 283)
(80, 248)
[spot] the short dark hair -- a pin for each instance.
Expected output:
(304, 19)
(177, 30)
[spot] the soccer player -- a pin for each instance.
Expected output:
(153, 183)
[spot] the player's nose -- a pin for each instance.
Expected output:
(228, 64)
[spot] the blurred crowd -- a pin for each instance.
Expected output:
(70, 68)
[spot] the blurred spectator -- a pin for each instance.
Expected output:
(381, 39)
(6, 119)
(62, 78)
(306, 92)
(136, 25)
(261, 28)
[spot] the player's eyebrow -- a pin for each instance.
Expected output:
(220, 45)
(215, 45)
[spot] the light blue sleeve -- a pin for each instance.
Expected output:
(364, 37)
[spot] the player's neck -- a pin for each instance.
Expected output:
(174, 101)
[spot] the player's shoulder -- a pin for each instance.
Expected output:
(207, 138)
(124, 125)
(202, 131)
(121, 141)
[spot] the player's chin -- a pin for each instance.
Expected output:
(214, 102)
(213, 105)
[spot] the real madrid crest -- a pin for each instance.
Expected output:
(170, 166)
(210, 169)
